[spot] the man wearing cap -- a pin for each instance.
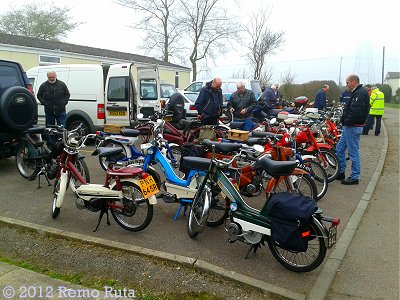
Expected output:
(242, 104)
(377, 107)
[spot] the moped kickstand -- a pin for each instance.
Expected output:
(104, 210)
(254, 248)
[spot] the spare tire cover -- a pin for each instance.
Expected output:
(18, 109)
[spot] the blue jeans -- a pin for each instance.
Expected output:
(350, 140)
(248, 123)
(52, 118)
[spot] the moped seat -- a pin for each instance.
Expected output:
(196, 163)
(274, 112)
(266, 134)
(126, 172)
(236, 125)
(130, 132)
(107, 152)
(256, 141)
(277, 168)
(222, 147)
(38, 130)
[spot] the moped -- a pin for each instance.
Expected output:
(253, 226)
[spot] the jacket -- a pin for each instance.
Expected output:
(176, 106)
(53, 96)
(269, 97)
(344, 97)
(320, 100)
(246, 100)
(356, 110)
(377, 103)
(209, 102)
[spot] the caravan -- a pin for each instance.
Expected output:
(103, 94)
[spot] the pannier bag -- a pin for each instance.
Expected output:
(189, 149)
(207, 133)
(290, 216)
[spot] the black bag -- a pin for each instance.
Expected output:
(290, 216)
(189, 149)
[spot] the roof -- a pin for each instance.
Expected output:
(17, 40)
(392, 75)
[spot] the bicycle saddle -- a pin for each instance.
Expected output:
(277, 168)
(266, 134)
(222, 147)
(196, 163)
(236, 125)
(130, 132)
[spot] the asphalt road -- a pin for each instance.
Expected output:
(22, 200)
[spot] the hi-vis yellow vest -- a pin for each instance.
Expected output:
(377, 102)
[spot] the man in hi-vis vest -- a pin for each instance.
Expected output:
(377, 106)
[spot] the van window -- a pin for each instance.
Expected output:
(195, 86)
(118, 89)
(148, 89)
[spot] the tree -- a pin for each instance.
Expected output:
(162, 25)
(209, 28)
(286, 81)
(263, 41)
(50, 23)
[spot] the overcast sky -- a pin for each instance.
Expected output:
(319, 35)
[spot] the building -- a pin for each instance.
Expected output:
(32, 52)
(393, 79)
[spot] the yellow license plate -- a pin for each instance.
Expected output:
(117, 113)
(168, 118)
(148, 187)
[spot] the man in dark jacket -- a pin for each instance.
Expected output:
(320, 98)
(268, 97)
(209, 102)
(53, 94)
(242, 104)
(354, 115)
(176, 106)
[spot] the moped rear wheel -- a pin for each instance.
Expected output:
(26, 163)
(134, 213)
(302, 261)
(331, 164)
(320, 177)
(199, 212)
(110, 144)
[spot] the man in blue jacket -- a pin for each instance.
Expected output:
(209, 102)
(320, 98)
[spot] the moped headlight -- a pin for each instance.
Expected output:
(145, 148)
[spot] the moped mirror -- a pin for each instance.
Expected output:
(258, 148)
(139, 116)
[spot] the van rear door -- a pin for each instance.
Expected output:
(149, 90)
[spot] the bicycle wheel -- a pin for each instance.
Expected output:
(302, 261)
(199, 211)
(81, 166)
(219, 211)
(302, 185)
(110, 144)
(331, 164)
(26, 163)
(134, 213)
(320, 177)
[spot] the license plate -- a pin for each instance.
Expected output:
(117, 113)
(168, 118)
(304, 167)
(332, 236)
(148, 187)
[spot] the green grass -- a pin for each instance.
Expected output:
(392, 105)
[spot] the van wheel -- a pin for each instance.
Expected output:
(75, 123)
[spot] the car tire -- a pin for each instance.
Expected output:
(18, 109)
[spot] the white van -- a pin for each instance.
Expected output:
(228, 86)
(103, 94)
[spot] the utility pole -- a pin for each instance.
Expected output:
(340, 72)
(383, 63)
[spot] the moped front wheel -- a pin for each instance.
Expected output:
(302, 261)
(81, 166)
(55, 211)
(133, 212)
(219, 211)
(199, 212)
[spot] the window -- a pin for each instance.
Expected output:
(167, 90)
(48, 60)
(148, 89)
(118, 89)
(195, 86)
(9, 76)
(177, 79)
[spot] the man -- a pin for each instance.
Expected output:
(320, 98)
(209, 102)
(269, 97)
(53, 94)
(345, 96)
(176, 106)
(376, 111)
(278, 94)
(242, 104)
(354, 115)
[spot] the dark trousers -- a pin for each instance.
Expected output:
(52, 118)
(370, 123)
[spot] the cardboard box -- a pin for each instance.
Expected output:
(113, 128)
(239, 135)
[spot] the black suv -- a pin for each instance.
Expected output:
(18, 108)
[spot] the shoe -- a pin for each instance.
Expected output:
(349, 181)
(341, 176)
(364, 133)
(376, 134)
